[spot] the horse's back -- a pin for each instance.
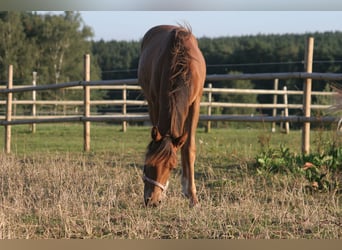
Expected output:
(155, 56)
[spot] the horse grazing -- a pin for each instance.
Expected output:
(171, 73)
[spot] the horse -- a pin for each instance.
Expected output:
(171, 73)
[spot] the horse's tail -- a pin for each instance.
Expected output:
(180, 76)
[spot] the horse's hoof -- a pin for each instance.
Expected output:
(194, 203)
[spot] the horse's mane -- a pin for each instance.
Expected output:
(180, 76)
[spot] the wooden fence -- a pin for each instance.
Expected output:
(131, 84)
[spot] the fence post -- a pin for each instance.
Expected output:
(281, 123)
(34, 80)
(9, 110)
(124, 107)
(275, 101)
(86, 89)
(286, 112)
(307, 96)
(210, 94)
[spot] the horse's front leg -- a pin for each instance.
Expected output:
(188, 154)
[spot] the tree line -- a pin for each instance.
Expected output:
(54, 45)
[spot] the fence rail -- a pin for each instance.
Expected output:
(53, 118)
(203, 103)
(131, 84)
(145, 117)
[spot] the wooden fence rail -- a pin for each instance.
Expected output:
(143, 103)
(131, 84)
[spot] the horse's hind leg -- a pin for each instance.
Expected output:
(188, 153)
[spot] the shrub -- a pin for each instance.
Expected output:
(321, 170)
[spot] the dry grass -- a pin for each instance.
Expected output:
(65, 194)
(97, 196)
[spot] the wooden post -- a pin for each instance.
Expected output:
(275, 101)
(86, 124)
(34, 81)
(124, 107)
(282, 123)
(9, 110)
(286, 112)
(307, 96)
(210, 94)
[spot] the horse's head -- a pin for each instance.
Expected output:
(161, 158)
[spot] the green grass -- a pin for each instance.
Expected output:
(49, 188)
(69, 138)
(104, 137)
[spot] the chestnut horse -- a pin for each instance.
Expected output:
(171, 73)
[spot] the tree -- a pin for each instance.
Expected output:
(52, 45)
(117, 59)
(14, 49)
(62, 40)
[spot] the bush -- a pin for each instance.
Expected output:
(321, 170)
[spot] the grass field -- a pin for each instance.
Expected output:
(51, 189)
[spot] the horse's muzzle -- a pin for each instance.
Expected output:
(150, 203)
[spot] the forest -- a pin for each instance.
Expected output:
(54, 45)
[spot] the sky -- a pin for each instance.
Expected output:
(320, 5)
(131, 25)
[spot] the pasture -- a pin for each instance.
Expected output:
(51, 189)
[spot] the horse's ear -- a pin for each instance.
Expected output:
(179, 142)
(155, 134)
